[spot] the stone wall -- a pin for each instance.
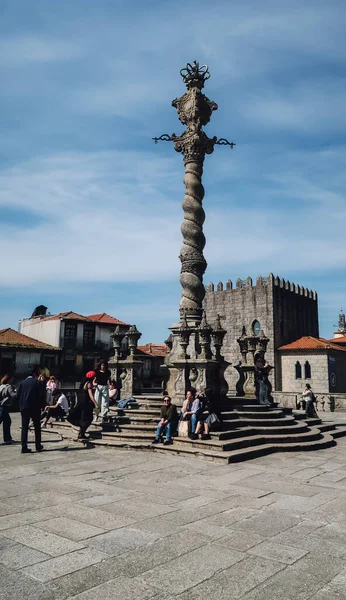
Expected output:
(284, 310)
(325, 402)
(319, 371)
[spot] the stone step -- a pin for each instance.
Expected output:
(339, 431)
(250, 430)
(255, 422)
(282, 427)
(237, 455)
(139, 411)
(262, 414)
(252, 408)
(215, 443)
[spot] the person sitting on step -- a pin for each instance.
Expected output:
(207, 417)
(190, 411)
(168, 422)
(58, 410)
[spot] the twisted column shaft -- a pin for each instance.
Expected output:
(193, 263)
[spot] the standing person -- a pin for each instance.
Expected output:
(31, 399)
(50, 387)
(309, 397)
(82, 414)
(168, 422)
(102, 379)
(57, 410)
(7, 394)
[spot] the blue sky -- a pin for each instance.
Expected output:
(91, 208)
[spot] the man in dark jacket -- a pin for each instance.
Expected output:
(168, 422)
(31, 400)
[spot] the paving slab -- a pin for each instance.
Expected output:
(278, 552)
(71, 529)
(187, 571)
(120, 588)
(43, 541)
(134, 562)
(121, 540)
(234, 582)
(62, 565)
(18, 556)
(268, 523)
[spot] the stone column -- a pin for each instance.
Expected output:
(190, 361)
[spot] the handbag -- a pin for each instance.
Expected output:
(183, 428)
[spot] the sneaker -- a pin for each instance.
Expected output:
(168, 442)
(39, 448)
(193, 436)
(155, 441)
(8, 442)
(26, 450)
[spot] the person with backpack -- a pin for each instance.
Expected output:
(8, 394)
(309, 398)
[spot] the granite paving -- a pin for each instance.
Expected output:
(81, 522)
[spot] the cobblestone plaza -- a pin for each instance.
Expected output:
(78, 523)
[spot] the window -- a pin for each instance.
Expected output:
(89, 334)
(298, 370)
(307, 370)
(70, 330)
(256, 327)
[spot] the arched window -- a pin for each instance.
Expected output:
(298, 370)
(307, 370)
(256, 327)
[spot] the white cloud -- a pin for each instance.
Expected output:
(19, 51)
(116, 217)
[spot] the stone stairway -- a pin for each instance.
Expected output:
(248, 430)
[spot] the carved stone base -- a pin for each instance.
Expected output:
(126, 373)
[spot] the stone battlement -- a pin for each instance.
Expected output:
(262, 281)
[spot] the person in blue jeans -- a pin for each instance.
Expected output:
(7, 395)
(190, 411)
(168, 422)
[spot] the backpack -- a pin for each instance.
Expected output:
(127, 403)
(313, 397)
(7, 394)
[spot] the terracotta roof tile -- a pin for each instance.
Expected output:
(311, 343)
(339, 340)
(66, 315)
(154, 349)
(104, 318)
(10, 337)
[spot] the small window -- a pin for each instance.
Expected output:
(70, 330)
(88, 334)
(256, 327)
(307, 370)
(298, 370)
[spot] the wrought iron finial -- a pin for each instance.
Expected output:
(165, 137)
(224, 142)
(194, 75)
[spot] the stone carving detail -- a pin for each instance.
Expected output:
(253, 370)
(179, 381)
